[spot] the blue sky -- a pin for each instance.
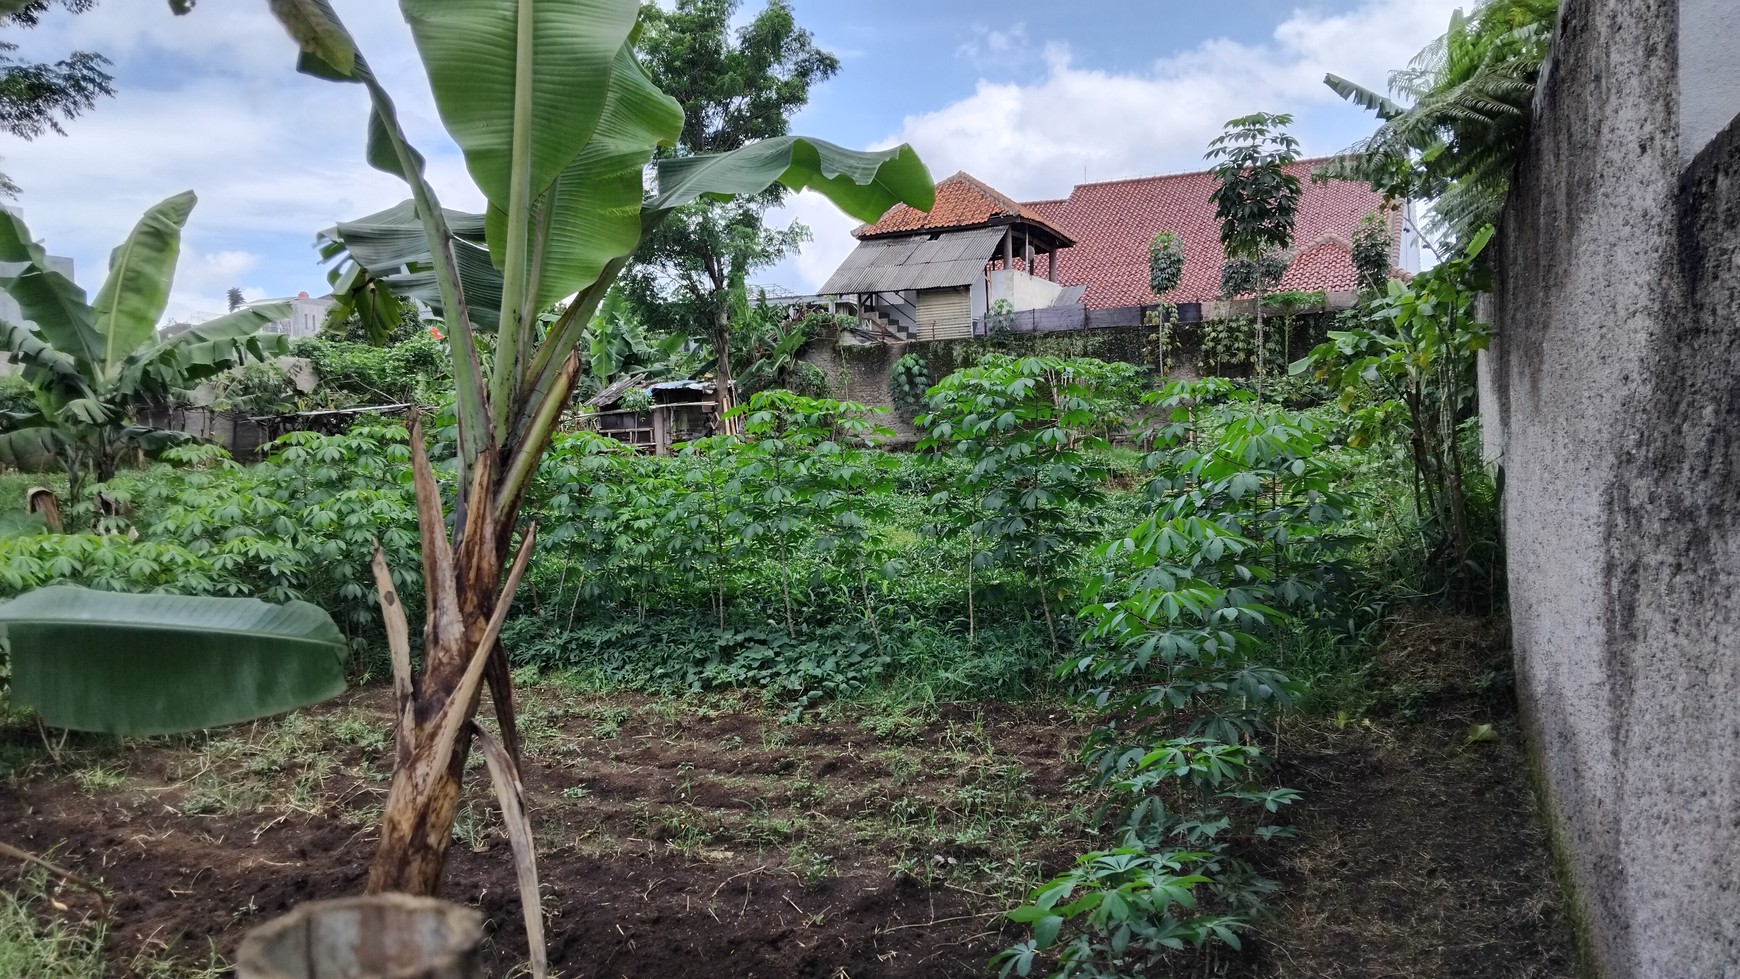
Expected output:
(1031, 97)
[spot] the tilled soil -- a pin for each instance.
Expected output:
(669, 844)
(706, 838)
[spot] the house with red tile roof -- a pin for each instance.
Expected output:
(1113, 223)
(933, 275)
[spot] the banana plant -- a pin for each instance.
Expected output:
(558, 124)
(89, 363)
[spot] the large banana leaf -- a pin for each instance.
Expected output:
(33, 448)
(538, 70)
(390, 249)
(40, 364)
(592, 213)
(157, 664)
(206, 350)
(863, 184)
(141, 272)
(45, 297)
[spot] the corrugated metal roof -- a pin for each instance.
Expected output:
(914, 262)
(614, 390)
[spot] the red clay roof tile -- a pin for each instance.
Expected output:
(962, 201)
(1115, 221)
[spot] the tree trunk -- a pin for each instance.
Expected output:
(1262, 355)
(467, 604)
(723, 396)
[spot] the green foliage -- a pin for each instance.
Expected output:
(1240, 276)
(908, 384)
(1165, 262)
(1291, 301)
(300, 525)
(263, 388)
(1256, 201)
(768, 345)
(1187, 612)
(351, 375)
(90, 363)
(1371, 252)
(1000, 320)
(16, 395)
(1227, 344)
(1174, 884)
(1255, 198)
(1405, 373)
(1023, 429)
(1457, 142)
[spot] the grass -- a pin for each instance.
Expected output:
(40, 940)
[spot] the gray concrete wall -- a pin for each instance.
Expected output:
(1612, 402)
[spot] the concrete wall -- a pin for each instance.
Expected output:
(1023, 291)
(1612, 402)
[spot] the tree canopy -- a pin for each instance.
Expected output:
(37, 97)
(735, 88)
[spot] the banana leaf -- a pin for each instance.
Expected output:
(158, 664)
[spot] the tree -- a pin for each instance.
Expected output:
(735, 88)
(1256, 200)
(36, 97)
(1371, 253)
(1406, 369)
(1457, 141)
(557, 121)
(90, 364)
(235, 299)
(1025, 429)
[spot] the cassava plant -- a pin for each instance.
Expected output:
(557, 122)
(1256, 200)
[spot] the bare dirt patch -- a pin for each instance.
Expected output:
(676, 838)
(703, 837)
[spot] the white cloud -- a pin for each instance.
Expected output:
(990, 48)
(1037, 140)
(210, 102)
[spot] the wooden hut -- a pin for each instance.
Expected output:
(669, 412)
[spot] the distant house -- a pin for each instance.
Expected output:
(307, 314)
(650, 416)
(919, 275)
(1115, 221)
(1079, 261)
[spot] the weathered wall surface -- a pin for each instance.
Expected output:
(1612, 398)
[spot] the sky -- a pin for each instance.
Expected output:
(1031, 97)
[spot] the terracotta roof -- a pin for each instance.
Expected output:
(962, 201)
(1115, 221)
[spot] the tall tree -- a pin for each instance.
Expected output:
(735, 87)
(36, 97)
(1256, 200)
